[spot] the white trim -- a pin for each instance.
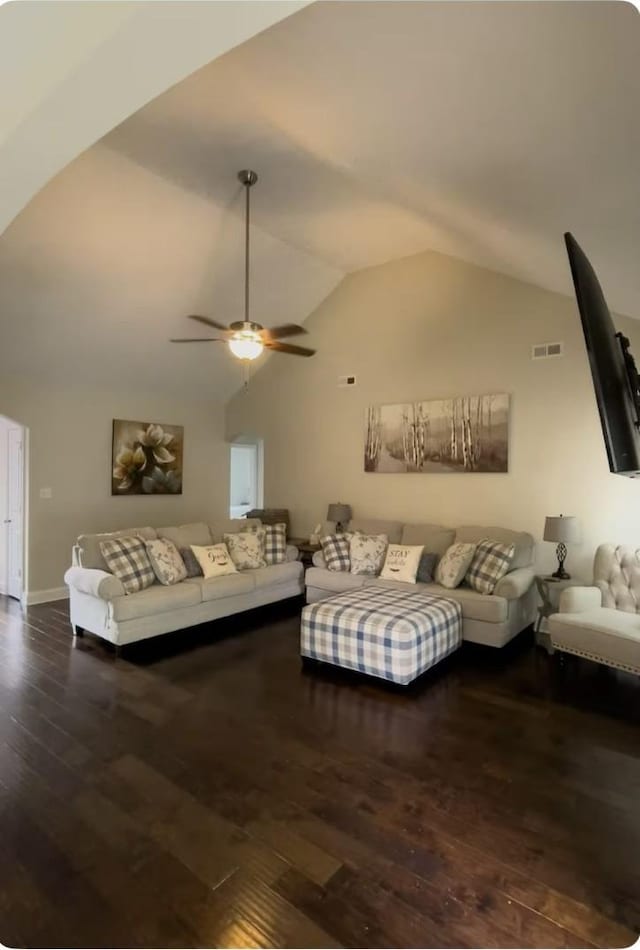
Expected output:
(31, 597)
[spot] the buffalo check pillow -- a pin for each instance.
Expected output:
(127, 558)
(336, 551)
(491, 561)
(275, 543)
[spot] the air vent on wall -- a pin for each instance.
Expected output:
(545, 351)
(346, 381)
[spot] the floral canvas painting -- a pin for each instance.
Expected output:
(463, 434)
(146, 458)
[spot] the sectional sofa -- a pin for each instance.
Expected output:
(492, 619)
(98, 603)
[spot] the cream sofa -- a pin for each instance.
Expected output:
(98, 602)
(492, 620)
(602, 622)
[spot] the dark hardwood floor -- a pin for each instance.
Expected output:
(203, 791)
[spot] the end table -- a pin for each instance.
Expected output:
(549, 589)
(306, 549)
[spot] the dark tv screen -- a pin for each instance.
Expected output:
(613, 370)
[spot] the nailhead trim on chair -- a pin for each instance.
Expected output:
(594, 656)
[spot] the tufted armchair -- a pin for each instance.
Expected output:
(602, 622)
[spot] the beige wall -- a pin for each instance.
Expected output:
(69, 436)
(81, 68)
(432, 326)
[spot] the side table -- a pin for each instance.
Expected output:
(306, 549)
(549, 589)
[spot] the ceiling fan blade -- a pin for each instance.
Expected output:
(199, 339)
(278, 333)
(289, 348)
(207, 321)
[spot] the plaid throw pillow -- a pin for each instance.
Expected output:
(490, 562)
(127, 558)
(335, 551)
(275, 543)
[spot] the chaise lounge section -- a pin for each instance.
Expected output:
(489, 619)
(98, 602)
(602, 622)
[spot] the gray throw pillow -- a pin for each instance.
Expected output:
(426, 567)
(191, 562)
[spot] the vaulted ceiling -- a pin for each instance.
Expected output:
(481, 130)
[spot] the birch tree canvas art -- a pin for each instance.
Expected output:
(464, 434)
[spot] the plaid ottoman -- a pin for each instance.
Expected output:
(393, 634)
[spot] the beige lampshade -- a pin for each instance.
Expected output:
(339, 512)
(564, 529)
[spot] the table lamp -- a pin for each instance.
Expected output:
(564, 530)
(339, 513)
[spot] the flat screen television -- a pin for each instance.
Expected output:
(613, 369)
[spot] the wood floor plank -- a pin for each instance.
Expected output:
(204, 791)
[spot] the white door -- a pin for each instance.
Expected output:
(243, 482)
(15, 512)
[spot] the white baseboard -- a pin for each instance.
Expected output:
(44, 596)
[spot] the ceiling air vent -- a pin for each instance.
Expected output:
(546, 351)
(344, 381)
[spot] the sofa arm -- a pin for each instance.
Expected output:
(97, 583)
(318, 559)
(292, 553)
(575, 600)
(515, 584)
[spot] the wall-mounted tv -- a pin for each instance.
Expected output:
(613, 370)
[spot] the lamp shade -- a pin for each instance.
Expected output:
(563, 529)
(339, 513)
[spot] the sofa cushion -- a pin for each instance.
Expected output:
(166, 562)
(127, 558)
(491, 561)
(427, 567)
(392, 529)
(229, 585)
(401, 562)
(88, 545)
(488, 608)
(336, 552)
(524, 543)
(453, 565)
(184, 535)
(367, 552)
(214, 560)
(604, 632)
(275, 543)
(191, 563)
(277, 574)
(156, 600)
(246, 549)
(231, 526)
(335, 581)
(433, 537)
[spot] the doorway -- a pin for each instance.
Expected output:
(245, 478)
(12, 508)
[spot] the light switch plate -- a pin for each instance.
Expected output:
(46, 493)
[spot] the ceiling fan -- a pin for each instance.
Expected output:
(246, 339)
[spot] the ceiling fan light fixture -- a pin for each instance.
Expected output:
(246, 345)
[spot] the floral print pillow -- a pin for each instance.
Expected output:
(367, 553)
(166, 562)
(454, 564)
(247, 549)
